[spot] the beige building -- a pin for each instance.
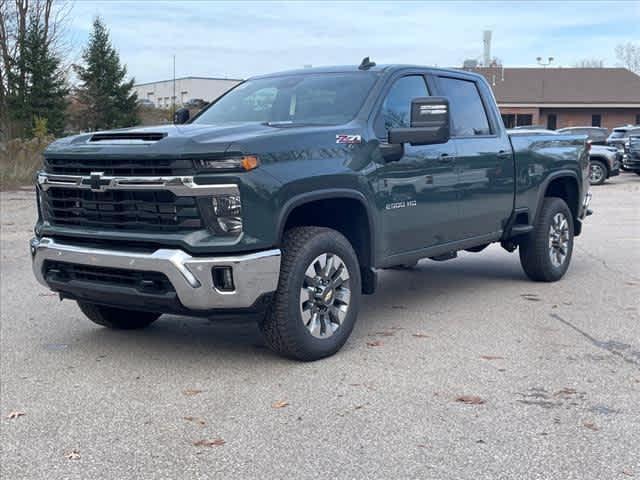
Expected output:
(161, 93)
(565, 97)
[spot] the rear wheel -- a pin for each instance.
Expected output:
(597, 172)
(117, 318)
(316, 304)
(545, 253)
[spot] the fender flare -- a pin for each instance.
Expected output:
(328, 194)
(545, 185)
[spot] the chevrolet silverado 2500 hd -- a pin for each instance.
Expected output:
(287, 194)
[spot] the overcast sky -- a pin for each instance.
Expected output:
(240, 39)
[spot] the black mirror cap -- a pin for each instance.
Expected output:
(181, 116)
(429, 123)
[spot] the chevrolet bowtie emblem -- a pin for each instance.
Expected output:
(95, 181)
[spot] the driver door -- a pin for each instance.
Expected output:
(416, 193)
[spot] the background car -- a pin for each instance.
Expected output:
(620, 135)
(596, 135)
(632, 154)
(145, 102)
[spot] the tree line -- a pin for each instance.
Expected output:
(36, 96)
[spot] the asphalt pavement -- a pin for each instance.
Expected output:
(455, 370)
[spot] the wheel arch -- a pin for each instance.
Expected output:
(564, 185)
(344, 210)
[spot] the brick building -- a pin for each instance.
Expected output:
(566, 97)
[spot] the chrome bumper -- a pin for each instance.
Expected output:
(254, 274)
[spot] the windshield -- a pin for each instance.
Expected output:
(313, 99)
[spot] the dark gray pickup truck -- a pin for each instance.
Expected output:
(284, 197)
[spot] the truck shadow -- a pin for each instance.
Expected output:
(187, 339)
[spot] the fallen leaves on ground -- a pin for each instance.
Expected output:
(190, 392)
(628, 473)
(470, 399)
(491, 357)
(591, 426)
(72, 455)
(385, 334)
(376, 343)
(421, 335)
(280, 404)
(199, 421)
(532, 297)
(214, 442)
(50, 294)
(15, 414)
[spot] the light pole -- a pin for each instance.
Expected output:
(544, 64)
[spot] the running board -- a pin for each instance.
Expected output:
(445, 256)
(521, 230)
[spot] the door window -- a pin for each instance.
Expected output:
(396, 108)
(467, 111)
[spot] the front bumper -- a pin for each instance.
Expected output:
(254, 274)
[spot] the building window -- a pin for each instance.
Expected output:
(637, 118)
(552, 121)
(596, 120)
(509, 120)
(524, 119)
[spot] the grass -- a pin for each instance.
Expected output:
(19, 161)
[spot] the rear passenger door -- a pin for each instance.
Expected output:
(484, 159)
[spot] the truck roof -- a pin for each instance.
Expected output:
(388, 68)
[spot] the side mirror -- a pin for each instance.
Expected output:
(429, 123)
(181, 116)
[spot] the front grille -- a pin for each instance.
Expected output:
(119, 166)
(148, 211)
(146, 282)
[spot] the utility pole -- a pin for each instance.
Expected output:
(173, 101)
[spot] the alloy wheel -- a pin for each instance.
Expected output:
(325, 295)
(559, 239)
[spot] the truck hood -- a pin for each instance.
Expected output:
(190, 139)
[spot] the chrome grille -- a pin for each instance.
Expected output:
(148, 211)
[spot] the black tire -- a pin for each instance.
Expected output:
(535, 255)
(117, 318)
(601, 168)
(283, 328)
(637, 173)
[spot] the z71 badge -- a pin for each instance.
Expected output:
(348, 139)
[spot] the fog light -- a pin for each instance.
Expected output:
(223, 279)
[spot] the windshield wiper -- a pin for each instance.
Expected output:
(289, 123)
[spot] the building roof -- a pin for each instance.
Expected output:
(189, 78)
(563, 85)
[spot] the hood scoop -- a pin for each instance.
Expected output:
(127, 138)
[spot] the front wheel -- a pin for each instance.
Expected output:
(545, 253)
(597, 172)
(117, 318)
(316, 304)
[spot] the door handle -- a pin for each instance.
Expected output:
(502, 154)
(445, 158)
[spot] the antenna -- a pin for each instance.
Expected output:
(366, 64)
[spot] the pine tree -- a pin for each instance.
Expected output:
(47, 86)
(40, 84)
(106, 96)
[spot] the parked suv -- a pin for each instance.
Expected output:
(596, 135)
(619, 135)
(632, 154)
(287, 194)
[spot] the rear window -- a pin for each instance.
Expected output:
(467, 111)
(618, 134)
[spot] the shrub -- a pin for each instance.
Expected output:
(20, 159)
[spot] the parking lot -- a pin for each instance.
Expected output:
(461, 369)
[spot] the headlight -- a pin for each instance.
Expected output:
(228, 212)
(231, 164)
(222, 213)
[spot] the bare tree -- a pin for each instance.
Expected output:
(628, 55)
(589, 63)
(15, 16)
